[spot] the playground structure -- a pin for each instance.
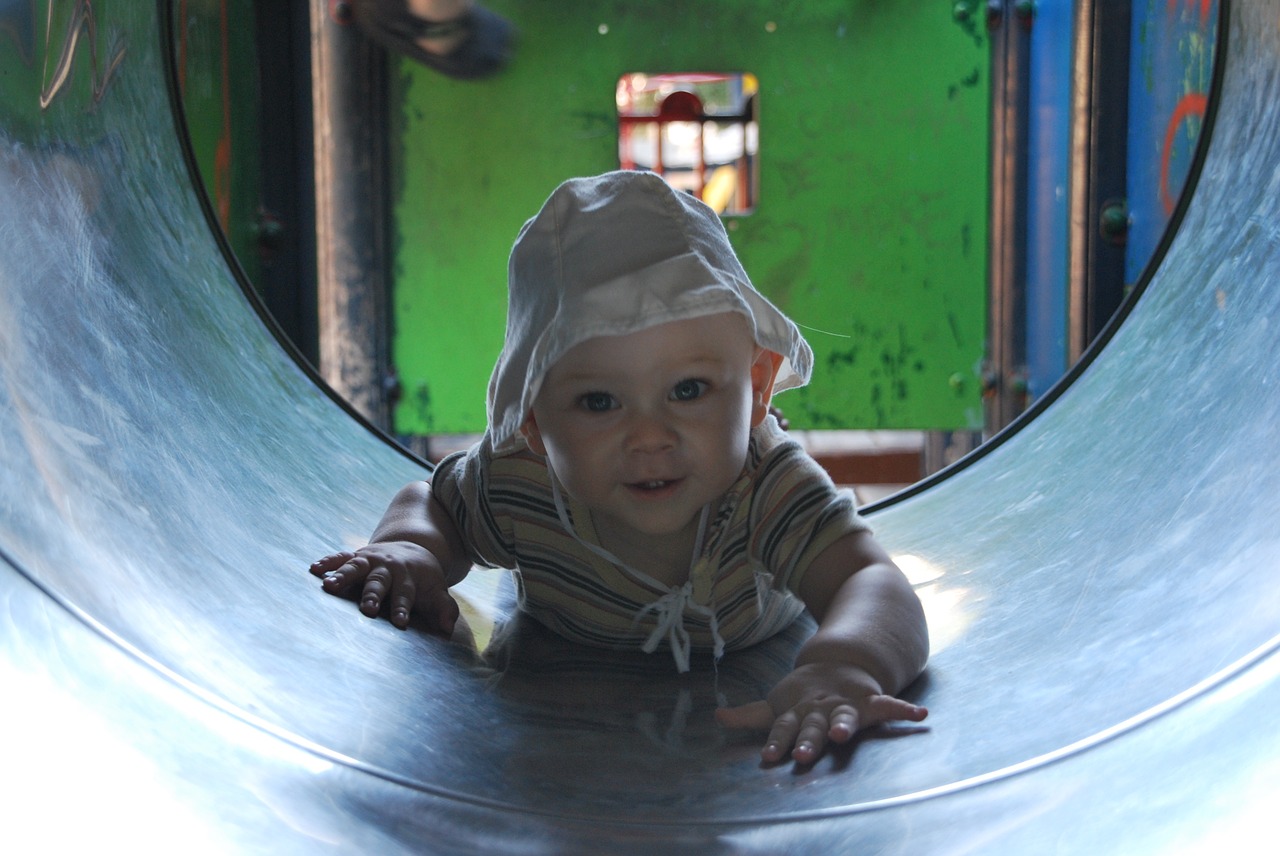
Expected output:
(1099, 580)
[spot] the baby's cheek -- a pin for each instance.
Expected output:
(731, 459)
(577, 473)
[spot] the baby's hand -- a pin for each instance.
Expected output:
(814, 704)
(403, 574)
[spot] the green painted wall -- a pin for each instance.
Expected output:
(871, 226)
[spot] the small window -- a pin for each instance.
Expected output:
(698, 131)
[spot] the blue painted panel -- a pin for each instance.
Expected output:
(1048, 161)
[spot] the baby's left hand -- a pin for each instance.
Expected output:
(815, 704)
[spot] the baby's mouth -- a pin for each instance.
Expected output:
(653, 484)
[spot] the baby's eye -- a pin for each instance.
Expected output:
(688, 390)
(597, 402)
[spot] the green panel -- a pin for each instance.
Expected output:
(870, 229)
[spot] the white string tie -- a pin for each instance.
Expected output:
(671, 607)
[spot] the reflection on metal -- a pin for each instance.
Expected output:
(81, 22)
(17, 28)
(1100, 583)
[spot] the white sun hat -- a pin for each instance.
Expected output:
(614, 254)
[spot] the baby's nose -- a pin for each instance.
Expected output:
(650, 433)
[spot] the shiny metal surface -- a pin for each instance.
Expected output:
(1099, 585)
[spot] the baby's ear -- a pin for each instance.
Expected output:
(763, 372)
(533, 436)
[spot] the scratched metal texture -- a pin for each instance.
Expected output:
(1100, 583)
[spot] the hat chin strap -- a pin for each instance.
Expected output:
(670, 608)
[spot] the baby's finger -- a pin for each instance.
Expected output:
(331, 562)
(346, 576)
(781, 737)
(403, 594)
(812, 737)
(885, 708)
(756, 716)
(843, 724)
(376, 586)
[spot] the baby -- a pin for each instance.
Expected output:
(633, 476)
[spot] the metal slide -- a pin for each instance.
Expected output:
(1101, 584)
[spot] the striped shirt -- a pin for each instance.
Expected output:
(780, 514)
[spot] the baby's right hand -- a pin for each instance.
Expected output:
(399, 573)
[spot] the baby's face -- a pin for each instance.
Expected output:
(649, 427)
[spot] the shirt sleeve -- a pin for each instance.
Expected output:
(462, 484)
(797, 511)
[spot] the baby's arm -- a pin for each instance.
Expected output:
(871, 643)
(414, 555)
